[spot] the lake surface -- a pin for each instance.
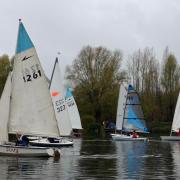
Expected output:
(100, 159)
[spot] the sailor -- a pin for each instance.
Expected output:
(21, 140)
(134, 134)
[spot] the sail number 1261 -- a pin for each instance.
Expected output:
(29, 77)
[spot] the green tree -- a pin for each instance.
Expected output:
(96, 73)
(170, 85)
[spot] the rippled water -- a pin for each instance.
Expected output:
(97, 159)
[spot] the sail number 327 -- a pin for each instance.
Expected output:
(29, 77)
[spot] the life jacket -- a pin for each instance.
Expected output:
(135, 135)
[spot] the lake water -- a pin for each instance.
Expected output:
(100, 159)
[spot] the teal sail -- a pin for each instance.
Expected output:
(68, 93)
(133, 115)
(23, 41)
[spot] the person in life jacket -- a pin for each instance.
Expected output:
(21, 140)
(134, 134)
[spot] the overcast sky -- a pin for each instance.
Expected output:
(68, 25)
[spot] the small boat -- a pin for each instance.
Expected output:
(175, 124)
(26, 151)
(122, 137)
(25, 104)
(130, 116)
(51, 142)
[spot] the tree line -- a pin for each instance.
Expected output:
(96, 74)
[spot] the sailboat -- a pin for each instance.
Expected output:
(73, 113)
(25, 105)
(130, 116)
(61, 112)
(175, 124)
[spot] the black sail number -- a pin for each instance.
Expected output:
(29, 77)
(61, 108)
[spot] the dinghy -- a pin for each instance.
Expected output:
(130, 116)
(25, 104)
(61, 112)
(51, 142)
(73, 113)
(175, 124)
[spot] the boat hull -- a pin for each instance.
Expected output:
(170, 138)
(25, 151)
(45, 143)
(121, 137)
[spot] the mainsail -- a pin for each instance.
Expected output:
(4, 109)
(130, 114)
(31, 109)
(58, 97)
(176, 119)
(73, 110)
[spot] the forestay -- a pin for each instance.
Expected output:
(176, 119)
(58, 97)
(31, 105)
(73, 110)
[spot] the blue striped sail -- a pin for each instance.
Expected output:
(133, 114)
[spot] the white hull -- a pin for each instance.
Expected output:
(11, 150)
(122, 137)
(170, 138)
(44, 142)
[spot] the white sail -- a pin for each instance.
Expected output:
(4, 109)
(73, 110)
(31, 110)
(58, 97)
(121, 106)
(176, 119)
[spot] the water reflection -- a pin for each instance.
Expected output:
(100, 160)
(130, 161)
(176, 159)
(20, 168)
(159, 162)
